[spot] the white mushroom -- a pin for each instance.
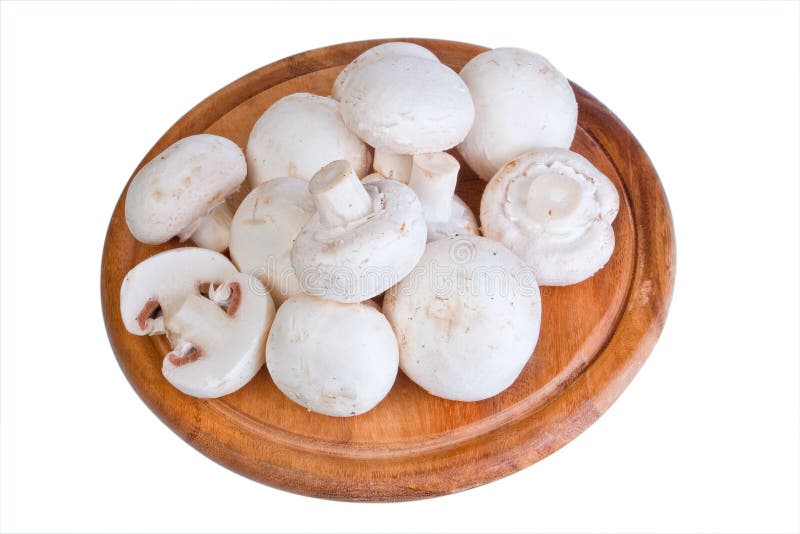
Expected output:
(521, 102)
(433, 179)
(215, 318)
(363, 239)
(263, 231)
(297, 135)
(554, 209)
(467, 318)
(375, 53)
(332, 358)
(182, 192)
(407, 105)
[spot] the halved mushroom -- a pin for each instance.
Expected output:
(332, 358)
(182, 192)
(363, 239)
(263, 231)
(433, 179)
(407, 105)
(375, 53)
(521, 102)
(466, 318)
(297, 135)
(215, 318)
(554, 209)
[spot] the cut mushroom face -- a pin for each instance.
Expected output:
(363, 239)
(374, 54)
(182, 191)
(407, 105)
(332, 358)
(521, 103)
(466, 319)
(215, 318)
(299, 134)
(263, 231)
(554, 209)
(433, 179)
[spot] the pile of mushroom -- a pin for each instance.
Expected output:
(317, 236)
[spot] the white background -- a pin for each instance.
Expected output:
(704, 439)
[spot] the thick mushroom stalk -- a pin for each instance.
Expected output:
(433, 178)
(391, 165)
(338, 195)
(212, 231)
(554, 209)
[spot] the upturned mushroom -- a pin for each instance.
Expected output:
(395, 48)
(521, 102)
(263, 231)
(407, 105)
(433, 178)
(297, 135)
(554, 209)
(332, 358)
(215, 318)
(466, 319)
(363, 239)
(182, 191)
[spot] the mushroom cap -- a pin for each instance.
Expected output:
(168, 278)
(263, 231)
(299, 134)
(182, 184)
(396, 48)
(461, 222)
(561, 250)
(232, 345)
(359, 261)
(332, 358)
(407, 105)
(466, 318)
(521, 102)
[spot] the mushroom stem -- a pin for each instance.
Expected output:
(433, 179)
(391, 165)
(338, 194)
(554, 201)
(212, 231)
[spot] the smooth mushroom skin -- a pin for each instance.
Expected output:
(554, 209)
(521, 102)
(396, 48)
(332, 358)
(467, 318)
(393, 166)
(433, 178)
(263, 232)
(215, 318)
(364, 238)
(299, 134)
(407, 105)
(182, 191)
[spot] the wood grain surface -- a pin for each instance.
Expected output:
(595, 335)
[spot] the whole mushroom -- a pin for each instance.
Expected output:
(182, 191)
(363, 239)
(215, 318)
(466, 319)
(298, 135)
(433, 178)
(263, 232)
(521, 102)
(554, 209)
(407, 105)
(332, 358)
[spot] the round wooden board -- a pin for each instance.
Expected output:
(594, 337)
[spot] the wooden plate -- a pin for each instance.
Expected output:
(594, 337)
